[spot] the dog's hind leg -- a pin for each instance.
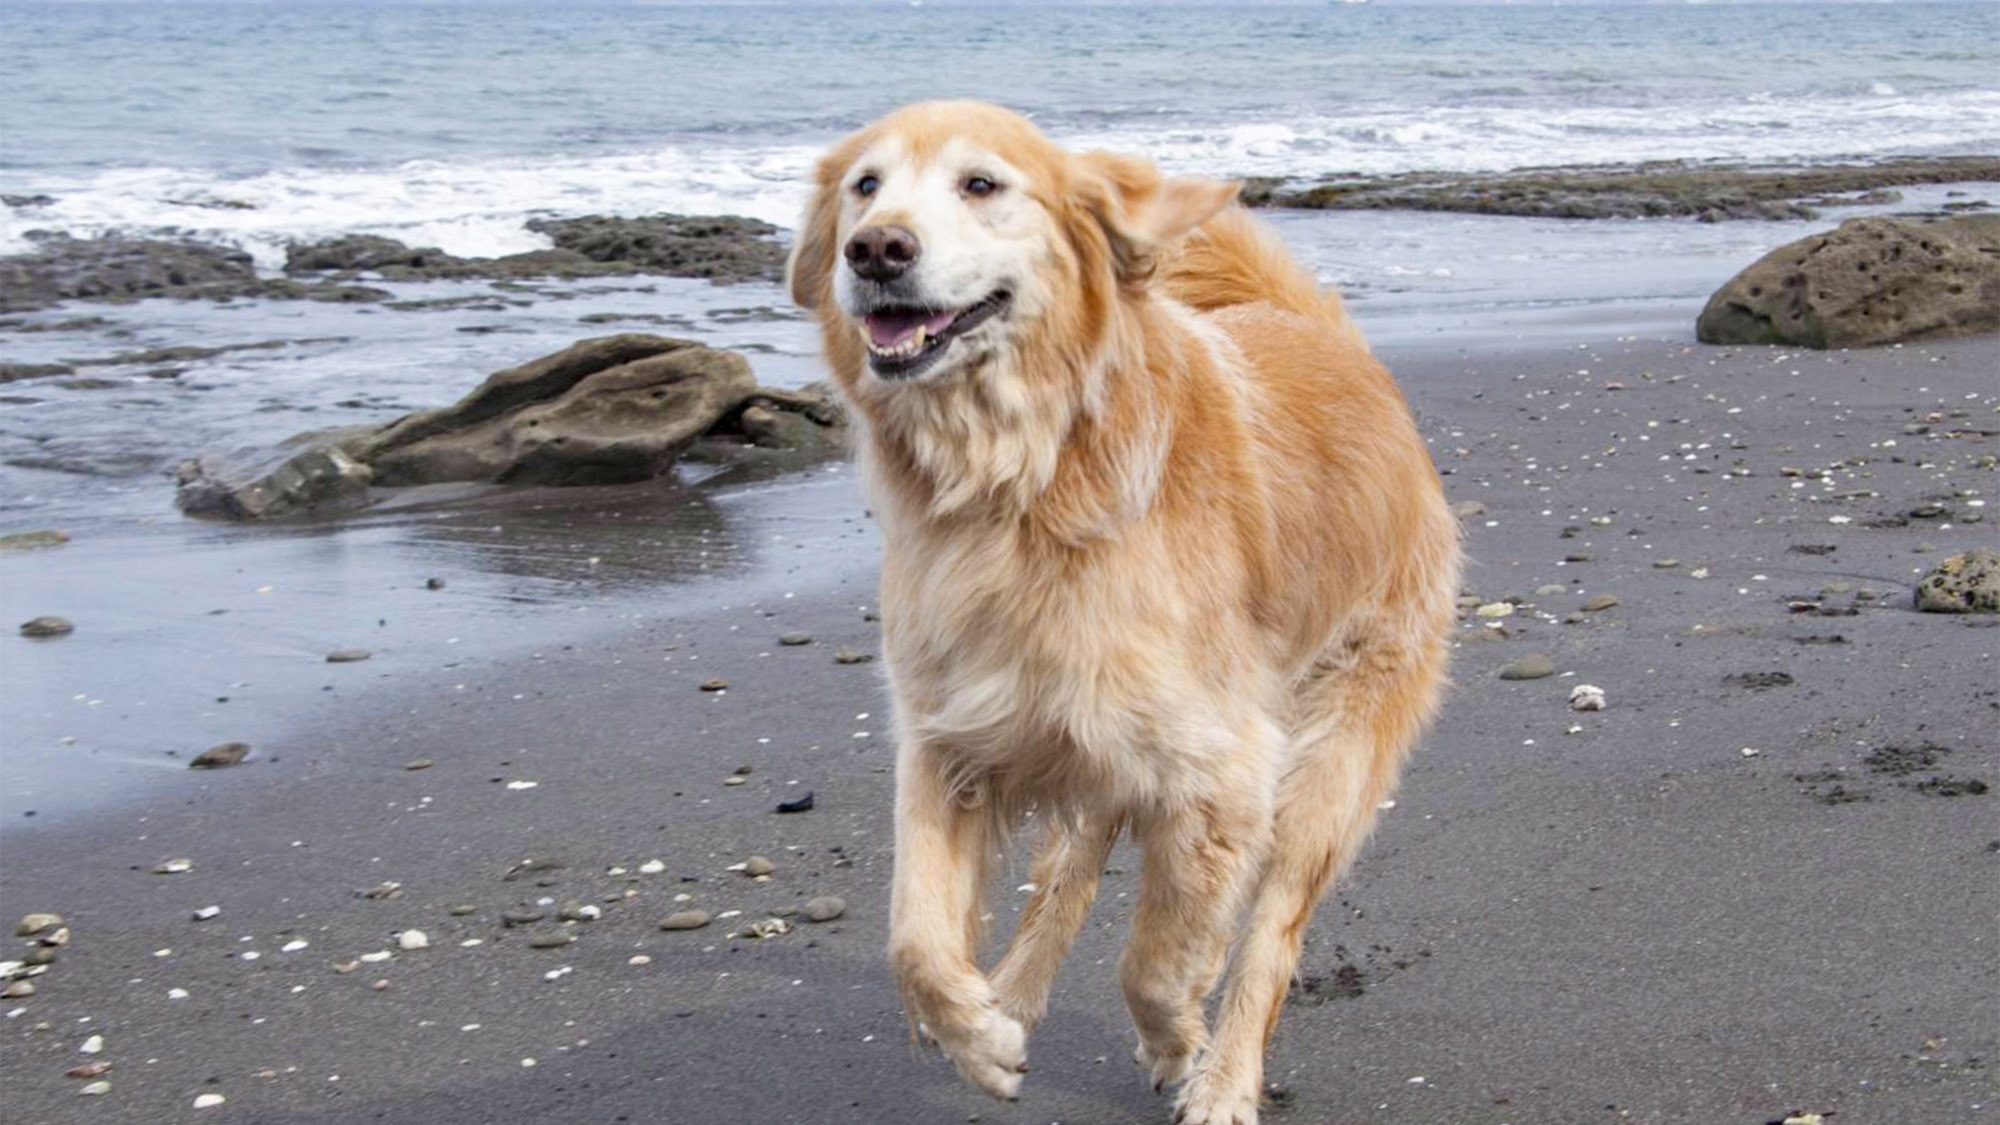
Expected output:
(1357, 720)
(1065, 875)
(1197, 862)
(945, 842)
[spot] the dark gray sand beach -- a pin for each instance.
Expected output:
(1762, 882)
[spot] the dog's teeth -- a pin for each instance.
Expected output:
(917, 341)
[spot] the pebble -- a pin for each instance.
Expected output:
(56, 937)
(462, 909)
(433, 583)
(47, 627)
(418, 764)
(758, 865)
(33, 924)
(795, 639)
(1468, 509)
(1586, 697)
(40, 955)
(376, 957)
(717, 684)
(825, 908)
(555, 940)
(652, 867)
(208, 1101)
(799, 805)
(685, 920)
(410, 940)
(522, 916)
(19, 990)
(95, 1089)
(852, 656)
(638, 959)
(574, 911)
(88, 1070)
(92, 1045)
(1550, 590)
(174, 867)
(1665, 564)
(216, 757)
(768, 928)
(348, 655)
(1533, 666)
(1496, 609)
(1597, 602)
(207, 912)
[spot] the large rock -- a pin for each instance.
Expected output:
(1867, 282)
(1967, 583)
(602, 411)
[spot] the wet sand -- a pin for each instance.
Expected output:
(1636, 921)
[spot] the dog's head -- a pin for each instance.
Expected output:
(949, 234)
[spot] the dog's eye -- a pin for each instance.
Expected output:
(980, 186)
(866, 185)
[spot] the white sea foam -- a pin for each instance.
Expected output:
(477, 208)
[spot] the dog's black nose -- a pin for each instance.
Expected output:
(882, 253)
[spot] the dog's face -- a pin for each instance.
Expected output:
(944, 235)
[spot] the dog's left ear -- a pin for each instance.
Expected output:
(1144, 212)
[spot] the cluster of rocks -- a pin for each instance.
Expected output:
(45, 934)
(609, 410)
(1654, 190)
(1867, 282)
(721, 248)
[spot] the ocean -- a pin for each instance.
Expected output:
(448, 124)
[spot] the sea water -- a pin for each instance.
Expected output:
(448, 124)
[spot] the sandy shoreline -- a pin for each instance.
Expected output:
(1635, 922)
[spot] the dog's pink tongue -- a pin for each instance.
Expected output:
(888, 329)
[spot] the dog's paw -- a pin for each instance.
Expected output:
(1207, 1101)
(1166, 1068)
(990, 1052)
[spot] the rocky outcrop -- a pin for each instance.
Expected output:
(63, 269)
(1867, 282)
(1666, 188)
(604, 411)
(1967, 583)
(720, 248)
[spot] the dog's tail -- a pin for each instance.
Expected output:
(1233, 259)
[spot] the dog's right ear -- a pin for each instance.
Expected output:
(810, 269)
(1143, 211)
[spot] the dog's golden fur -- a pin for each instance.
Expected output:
(1163, 554)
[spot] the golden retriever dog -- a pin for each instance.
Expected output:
(1163, 553)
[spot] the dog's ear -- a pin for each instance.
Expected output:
(1142, 211)
(809, 272)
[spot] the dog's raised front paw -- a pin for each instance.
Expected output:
(1207, 1101)
(990, 1052)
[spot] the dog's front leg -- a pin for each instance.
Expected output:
(1065, 876)
(944, 845)
(1197, 861)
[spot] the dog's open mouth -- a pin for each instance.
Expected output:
(903, 341)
